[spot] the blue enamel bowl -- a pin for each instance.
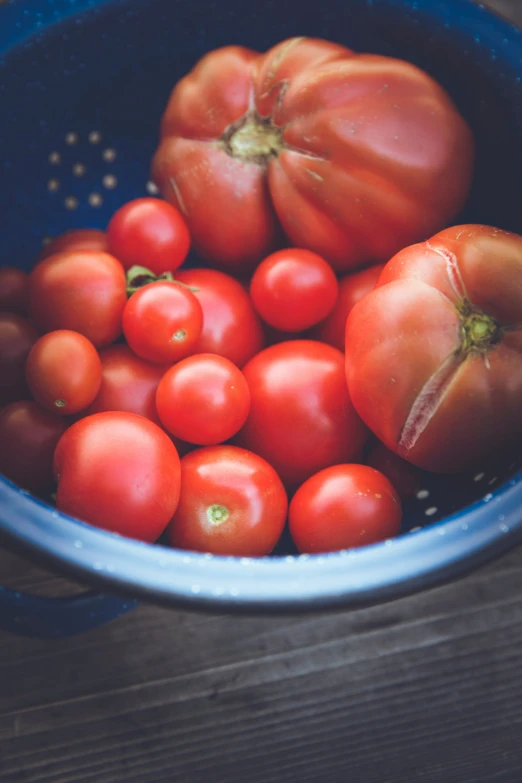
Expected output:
(83, 84)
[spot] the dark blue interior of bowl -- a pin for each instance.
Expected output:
(81, 97)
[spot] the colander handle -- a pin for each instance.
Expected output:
(57, 618)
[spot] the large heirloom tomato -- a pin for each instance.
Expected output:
(434, 352)
(353, 156)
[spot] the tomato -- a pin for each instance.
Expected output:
(353, 155)
(434, 353)
(352, 287)
(76, 239)
(403, 475)
(150, 233)
(63, 372)
(343, 507)
(162, 322)
(80, 290)
(232, 502)
(17, 337)
(203, 399)
(301, 418)
(28, 435)
(119, 472)
(128, 383)
(293, 289)
(13, 290)
(231, 327)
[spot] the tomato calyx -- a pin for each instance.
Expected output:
(479, 331)
(253, 139)
(140, 276)
(217, 514)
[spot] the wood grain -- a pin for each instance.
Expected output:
(427, 689)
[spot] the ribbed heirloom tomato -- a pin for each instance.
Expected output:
(434, 352)
(354, 156)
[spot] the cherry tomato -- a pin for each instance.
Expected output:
(128, 383)
(232, 502)
(342, 507)
(231, 327)
(28, 438)
(150, 233)
(80, 290)
(17, 337)
(434, 352)
(13, 290)
(301, 417)
(162, 322)
(203, 399)
(351, 288)
(119, 472)
(293, 289)
(76, 239)
(63, 372)
(404, 476)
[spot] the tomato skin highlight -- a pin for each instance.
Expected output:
(119, 472)
(232, 502)
(80, 290)
(63, 372)
(434, 352)
(150, 233)
(203, 400)
(342, 507)
(29, 435)
(301, 417)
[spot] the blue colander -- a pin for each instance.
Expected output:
(83, 84)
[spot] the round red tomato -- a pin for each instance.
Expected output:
(128, 383)
(150, 233)
(301, 418)
(353, 155)
(351, 288)
(162, 322)
(203, 399)
(77, 239)
(343, 507)
(404, 476)
(80, 290)
(231, 327)
(28, 438)
(434, 352)
(119, 472)
(17, 337)
(13, 290)
(63, 372)
(293, 289)
(232, 502)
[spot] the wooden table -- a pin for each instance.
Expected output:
(427, 689)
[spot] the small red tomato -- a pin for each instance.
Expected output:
(28, 438)
(119, 472)
(232, 502)
(231, 327)
(128, 383)
(342, 507)
(13, 290)
(17, 337)
(301, 418)
(63, 372)
(81, 290)
(404, 476)
(293, 289)
(162, 322)
(351, 288)
(203, 399)
(76, 239)
(150, 233)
